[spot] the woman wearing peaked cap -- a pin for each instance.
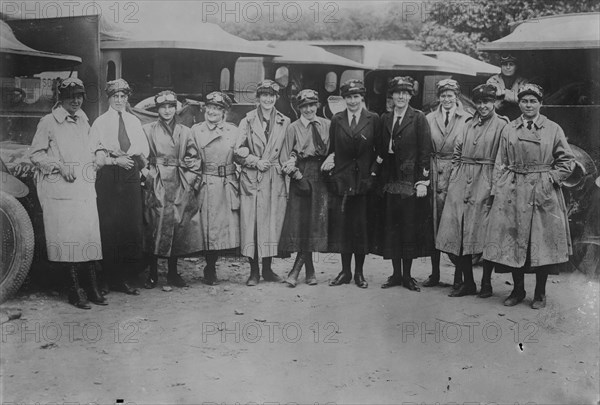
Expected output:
(62, 151)
(507, 85)
(447, 123)
(263, 194)
(352, 137)
(121, 150)
(219, 195)
(171, 207)
(463, 223)
(528, 230)
(403, 150)
(305, 226)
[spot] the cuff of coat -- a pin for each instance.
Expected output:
(423, 183)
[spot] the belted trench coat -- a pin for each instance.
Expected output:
(443, 139)
(171, 208)
(529, 212)
(463, 223)
(263, 195)
(219, 189)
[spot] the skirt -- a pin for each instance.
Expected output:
(121, 219)
(349, 224)
(305, 227)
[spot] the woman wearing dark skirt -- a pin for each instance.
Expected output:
(121, 148)
(352, 153)
(305, 225)
(403, 170)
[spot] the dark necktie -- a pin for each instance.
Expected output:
(447, 118)
(320, 149)
(267, 127)
(396, 124)
(73, 117)
(529, 124)
(124, 142)
(353, 122)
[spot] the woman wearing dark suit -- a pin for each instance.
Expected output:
(351, 154)
(403, 150)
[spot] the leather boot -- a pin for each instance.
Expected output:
(345, 276)
(311, 279)
(77, 296)
(210, 271)
(359, 278)
(93, 292)
(292, 277)
(434, 278)
(254, 273)
(267, 273)
(486, 280)
(173, 277)
(152, 279)
(518, 293)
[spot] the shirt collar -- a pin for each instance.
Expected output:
(60, 114)
(306, 122)
(350, 114)
(212, 126)
(402, 113)
(452, 111)
(537, 121)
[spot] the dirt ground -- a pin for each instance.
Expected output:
(308, 345)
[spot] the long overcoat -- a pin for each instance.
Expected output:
(71, 221)
(351, 213)
(443, 138)
(529, 212)
(263, 195)
(171, 207)
(219, 190)
(464, 220)
(404, 223)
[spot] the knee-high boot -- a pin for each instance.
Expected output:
(311, 278)
(77, 296)
(92, 290)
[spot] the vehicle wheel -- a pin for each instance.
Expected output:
(16, 249)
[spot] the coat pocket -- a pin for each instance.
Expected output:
(234, 196)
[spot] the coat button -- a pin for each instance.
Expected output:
(440, 171)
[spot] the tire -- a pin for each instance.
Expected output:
(16, 249)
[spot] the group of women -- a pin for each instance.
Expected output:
(398, 186)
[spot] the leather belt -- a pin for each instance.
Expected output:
(530, 168)
(476, 161)
(212, 169)
(165, 161)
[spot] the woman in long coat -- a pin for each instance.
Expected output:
(463, 224)
(306, 219)
(403, 150)
(62, 151)
(528, 228)
(219, 189)
(352, 137)
(263, 193)
(171, 207)
(447, 123)
(121, 151)
(507, 84)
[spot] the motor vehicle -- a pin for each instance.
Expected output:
(562, 54)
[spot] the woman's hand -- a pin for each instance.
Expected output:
(124, 161)
(421, 190)
(68, 172)
(263, 165)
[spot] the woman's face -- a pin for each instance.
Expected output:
(118, 101)
(530, 106)
(167, 111)
(267, 101)
(484, 107)
(401, 99)
(214, 114)
(508, 68)
(73, 104)
(448, 99)
(309, 111)
(353, 102)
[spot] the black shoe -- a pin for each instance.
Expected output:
(269, 275)
(539, 302)
(486, 291)
(411, 285)
(392, 282)
(176, 281)
(78, 298)
(93, 293)
(456, 286)
(125, 288)
(514, 298)
(152, 280)
(210, 276)
(431, 282)
(465, 289)
(360, 281)
(253, 280)
(342, 278)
